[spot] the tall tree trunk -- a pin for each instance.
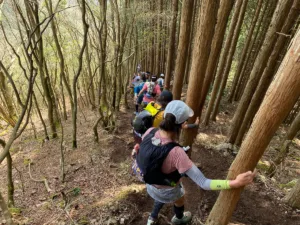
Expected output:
(63, 78)
(202, 46)
(7, 99)
(223, 15)
(245, 50)
(45, 79)
(158, 38)
(222, 62)
(171, 46)
(281, 97)
(229, 59)
(78, 72)
(293, 198)
(269, 71)
(194, 25)
(261, 61)
(10, 183)
(264, 16)
(6, 214)
(90, 84)
(184, 37)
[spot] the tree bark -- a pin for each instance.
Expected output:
(78, 72)
(158, 61)
(245, 50)
(269, 71)
(267, 13)
(261, 61)
(229, 58)
(6, 214)
(222, 62)
(281, 97)
(45, 79)
(202, 47)
(184, 36)
(171, 46)
(222, 19)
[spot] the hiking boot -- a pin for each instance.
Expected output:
(187, 217)
(151, 221)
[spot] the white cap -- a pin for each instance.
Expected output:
(180, 110)
(162, 75)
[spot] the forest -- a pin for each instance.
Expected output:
(76, 76)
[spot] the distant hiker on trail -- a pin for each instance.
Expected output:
(161, 81)
(151, 90)
(161, 163)
(152, 116)
(138, 100)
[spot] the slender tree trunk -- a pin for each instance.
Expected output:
(269, 71)
(245, 50)
(260, 35)
(293, 198)
(6, 214)
(229, 59)
(90, 85)
(78, 72)
(281, 97)
(222, 62)
(223, 15)
(194, 25)
(171, 46)
(158, 38)
(183, 45)
(7, 98)
(202, 47)
(41, 117)
(45, 79)
(10, 183)
(261, 61)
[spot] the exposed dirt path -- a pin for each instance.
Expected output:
(99, 188)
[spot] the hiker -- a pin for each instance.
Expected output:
(160, 81)
(162, 162)
(137, 89)
(152, 116)
(151, 90)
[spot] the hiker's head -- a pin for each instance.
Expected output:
(175, 114)
(164, 98)
(144, 77)
(162, 75)
(153, 78)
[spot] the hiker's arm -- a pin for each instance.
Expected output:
(143, 89)
(193, 125)
(207, 184)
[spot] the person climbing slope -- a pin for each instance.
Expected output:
(152, 116)
(162, 163)
(137, 89)
(151, 90)
(161, 81)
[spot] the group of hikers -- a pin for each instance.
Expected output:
(158, 160)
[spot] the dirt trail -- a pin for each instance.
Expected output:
(100, 190)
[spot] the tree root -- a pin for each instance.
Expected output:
(45, 181)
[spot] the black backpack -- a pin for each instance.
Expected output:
(150, 159)
(144, 120)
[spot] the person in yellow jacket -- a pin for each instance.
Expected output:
(162, 101)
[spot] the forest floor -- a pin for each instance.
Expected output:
(99, 187)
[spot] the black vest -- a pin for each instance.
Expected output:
(150, 159)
